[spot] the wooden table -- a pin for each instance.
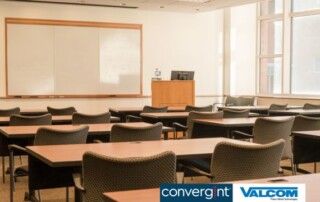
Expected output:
(56, 120)
(122, 112)
(311, 182)
(24, 135)
(52, 166)
(289, 112)
(209, 126)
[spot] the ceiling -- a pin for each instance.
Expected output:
(160, 5)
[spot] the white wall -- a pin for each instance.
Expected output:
(243, 29)
(171, 41)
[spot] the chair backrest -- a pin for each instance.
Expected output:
(201, 115)
(305, 123)
(123, 133)
(266, 130)
(232, 113)
(278, 107)
(19, 120)
(311, 106)
(61, 111)
(79, 118)
(246, 101)
(231, 101)
(190, 108)
(9, 112)
(149, 109)
(233, 162)
(106, 174)
(48, 136)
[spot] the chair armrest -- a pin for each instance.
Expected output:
(180, 177)
(97, 141)
(240, 135)
(77, 182)
(13, 147)
(132, 118)
(179, 127)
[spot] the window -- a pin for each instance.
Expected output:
(305, 60)
(270, 46)
(304, 5)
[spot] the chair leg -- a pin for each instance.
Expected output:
(292, 168)
(39, 195)
(3, 170)
(315, 167)
(67, 194)
(11, 166)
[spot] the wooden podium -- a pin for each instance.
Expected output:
(173, 93)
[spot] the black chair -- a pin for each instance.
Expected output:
(9, 112)
(47, 136)
(234, 162)
(80, 118)
(146, 109)
(106, 174)
(190, 108)
(61, 111)
(231, 113)
(188, 129)
(122, 133)
(311, 106)
(20, 120)
(301, 146)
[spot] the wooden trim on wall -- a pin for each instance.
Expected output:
(71, 23)
(91, 96)
(77, 24)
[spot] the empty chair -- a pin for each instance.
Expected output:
(146, 109)
(122, 133)
(48, 136)
(61, 111)
(9, 112)
(233, 162)
(188, 129)
(303, 123)
(20, 120)
(190, 108)
(246, 101)
(278, 107)
(230, 113)
(311, 106)
(106, 174)
(80, 118)
(266, 130)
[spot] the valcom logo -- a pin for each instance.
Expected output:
(268, 192)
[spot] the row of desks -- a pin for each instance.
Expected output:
(66, 119)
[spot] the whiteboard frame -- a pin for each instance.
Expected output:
(77, 24)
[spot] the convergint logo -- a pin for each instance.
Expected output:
(196, 192)
(269, 192)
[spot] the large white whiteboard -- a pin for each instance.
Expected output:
(72, 60)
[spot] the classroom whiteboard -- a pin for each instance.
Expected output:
(53, 59)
